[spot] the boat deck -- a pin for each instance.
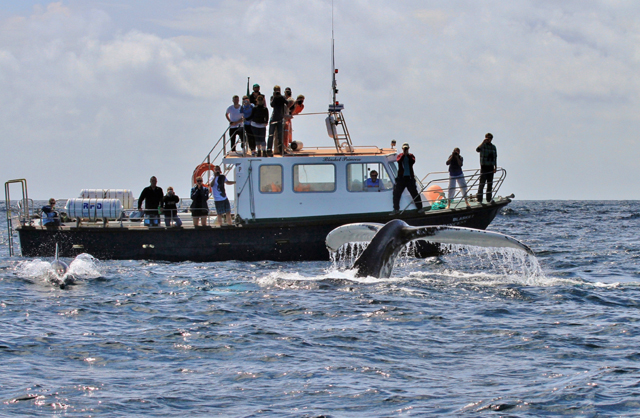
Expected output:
(187, 222)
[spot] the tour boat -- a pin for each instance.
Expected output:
(284, 206)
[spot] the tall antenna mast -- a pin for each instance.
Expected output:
(334, 85)
(335, 119)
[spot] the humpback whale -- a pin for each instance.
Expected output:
(386, 242)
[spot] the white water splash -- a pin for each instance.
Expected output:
(84, 266)
(490, 265)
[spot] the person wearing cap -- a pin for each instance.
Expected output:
(50, 217)
(276, 124)
(253, 97)
(152, 197)
(488, 166)
(170, 208)
(405, 179)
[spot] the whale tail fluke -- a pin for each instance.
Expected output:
(386, 242)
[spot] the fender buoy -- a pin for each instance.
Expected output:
(433, 193)
(200, 170)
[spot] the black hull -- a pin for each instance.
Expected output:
(277, 240)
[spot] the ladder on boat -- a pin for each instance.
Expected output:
(341, 138)
(25, 207)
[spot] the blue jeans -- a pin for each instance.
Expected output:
(152, 219)
(172, 217)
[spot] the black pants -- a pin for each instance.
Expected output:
(405, 183)
(486, 176)
(233, 132)
(251, 141)
(277, 127)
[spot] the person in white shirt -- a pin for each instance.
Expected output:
(236, 122)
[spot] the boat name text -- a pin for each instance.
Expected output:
(341, 159)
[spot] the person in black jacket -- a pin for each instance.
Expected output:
(170, 208)
(405, 179)
(152, 197)
(276, 124)
(259, 121)
(199, 205)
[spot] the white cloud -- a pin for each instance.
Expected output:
(108, 97)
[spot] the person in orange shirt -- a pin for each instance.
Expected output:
(296, 108)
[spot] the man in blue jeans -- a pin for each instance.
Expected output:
(152, 197)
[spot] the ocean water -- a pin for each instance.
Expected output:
(476, 333)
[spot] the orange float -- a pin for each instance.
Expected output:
(200, 170)
(434, 193)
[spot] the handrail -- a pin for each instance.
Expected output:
(23, 212)
(472, 178)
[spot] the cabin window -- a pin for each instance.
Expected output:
(357, 175)
(270, 178)
(314, 178)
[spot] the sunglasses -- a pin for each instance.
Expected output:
(199, 181)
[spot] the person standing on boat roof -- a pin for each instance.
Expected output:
(287, 117)
(152, 197)
(276, 124)
(488, 166)
(234, 116)
(405, 179)
(199, 206)
(223, 207)
(170, 208)
(247, 109)
(50, 217)
(253, 98)
(456, 175)
(296, 108)
(259, 121)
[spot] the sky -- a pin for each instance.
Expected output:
(106, 93)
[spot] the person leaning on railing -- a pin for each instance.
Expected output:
(152, 197)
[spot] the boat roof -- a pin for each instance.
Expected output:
(356, 151)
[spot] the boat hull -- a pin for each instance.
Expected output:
(274, 239)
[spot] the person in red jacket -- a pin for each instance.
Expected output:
(405, 179)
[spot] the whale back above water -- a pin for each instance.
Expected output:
(386, 242)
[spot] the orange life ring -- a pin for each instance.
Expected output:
(200, 170)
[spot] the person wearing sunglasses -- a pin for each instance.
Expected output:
(50, 217)
(199, 206)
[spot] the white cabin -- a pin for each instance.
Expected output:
(315, 182)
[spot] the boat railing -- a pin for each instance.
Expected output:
(23, 210)
(434, 187)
